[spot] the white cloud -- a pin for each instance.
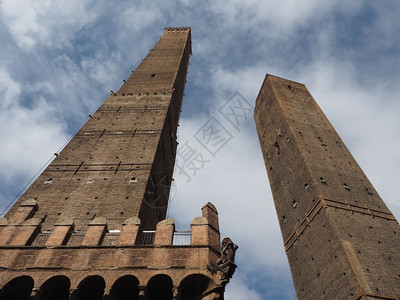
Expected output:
(44, 21)
(76, 51)
(32, 134)
(22, 18)
(9, 89)
(139, 16)
(238, 290)
(284, 16)
(235, 181)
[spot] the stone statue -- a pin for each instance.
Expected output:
(228, 250)
(225, 265)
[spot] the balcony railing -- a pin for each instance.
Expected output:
(145, 238)
(181, 238)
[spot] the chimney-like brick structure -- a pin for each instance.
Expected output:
(60, 233)
(341, 240)
(129, 232)
(95, 232)
(25, 211)
(164, 232)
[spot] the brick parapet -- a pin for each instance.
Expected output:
(99, 260)
(56, 258)
(109, 262)
(204, 231)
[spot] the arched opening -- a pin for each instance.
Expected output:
(19, 288)
(56, 288)
(125, 288)
(193, 286)
(159, 287)
(91, 288)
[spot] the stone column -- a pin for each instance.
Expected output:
(73, 294)
(106, 295)
(36, 294)
(142, 292)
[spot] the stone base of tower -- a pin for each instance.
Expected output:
(99, 264)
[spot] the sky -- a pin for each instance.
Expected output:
(60, 59)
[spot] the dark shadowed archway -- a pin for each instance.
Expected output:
(159, 287)
(125, 288)
(193, 286)
(56, 288)
(91, 288)
(19, 288)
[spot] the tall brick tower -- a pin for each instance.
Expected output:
(92, 226)
(341, 240)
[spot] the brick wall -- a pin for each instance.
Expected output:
(340, 238)
(120, 163)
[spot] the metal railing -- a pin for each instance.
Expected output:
(181, 238)
(41, 238)
(75, 238)
(145, 237)
(111, 238)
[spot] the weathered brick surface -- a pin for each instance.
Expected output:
(111, 263)
(94, 235)
(58, 236)
(211, 214)
(108, 185)
(23, 235)
(77, 264)
(125, 152)
(165, 232)
(22, 213)
(202, 233)
(6, 234)
(341, 239)
(129, 231)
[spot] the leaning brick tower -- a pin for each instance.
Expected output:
(92, 226)
(341, 240)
